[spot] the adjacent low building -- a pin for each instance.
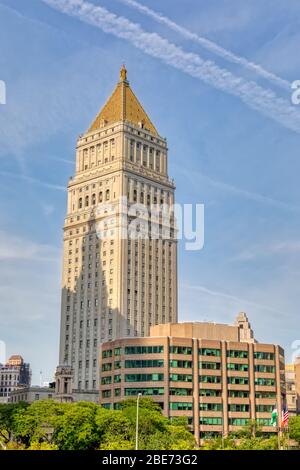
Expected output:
(216, 375)
(32, 394)
(14, 374)
(292, 378)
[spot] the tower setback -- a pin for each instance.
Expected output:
(116, 286)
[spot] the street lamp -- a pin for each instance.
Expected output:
(137, 423)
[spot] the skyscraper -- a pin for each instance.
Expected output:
(116, 286)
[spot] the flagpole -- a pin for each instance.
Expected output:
(279, 438)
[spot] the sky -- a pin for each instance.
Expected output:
(215, 78)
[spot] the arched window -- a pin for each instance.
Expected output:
(93, 199)
(86, 201)
(107, 195)
(142, 197)
(80, 203)
(100, 196)
(134, 195)
(148, 199)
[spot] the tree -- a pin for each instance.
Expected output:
(294, 428)
(36, 423)
(156, 432)
(114, 430)
(218, 443)
(76, 428)
(7, 417)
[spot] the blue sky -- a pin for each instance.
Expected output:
(229, 147)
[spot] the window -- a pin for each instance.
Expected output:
(264, 408)
(238, 394)
(264, 369)
(210, 379)
(181, 364)
(210, 352)
(211, 421)
(144, 349)
(133, 392)
(239, 408)
(106, 380)
(181, 392)
(117, 379)
(239, 367)
(265, 395)
(263, 421)
(106, 393)
(118, 352)
(144, 377)
(260, 381)
(144, 363)
(117, 392)
(238, 380)
(181, 378)
(107, 353)
(237, 354)
(180, 350)
(238, 421)
(107, 195)
(106, 367)
(181, 406)
(210, 365)
(106, 405)
(86, 201)
(206, 392)
(100, 197)
(210, 406)
(80, 203)
(264, 355)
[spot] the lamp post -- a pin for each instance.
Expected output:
(137, 423)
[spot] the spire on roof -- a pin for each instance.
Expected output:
(123, 105)
(123, 73)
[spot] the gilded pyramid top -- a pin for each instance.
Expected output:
(123, 105)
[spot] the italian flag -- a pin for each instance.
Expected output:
(274, 418)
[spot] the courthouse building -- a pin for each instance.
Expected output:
(113, 287)
(216, 375)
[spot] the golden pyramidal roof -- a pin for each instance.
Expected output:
(123, 105)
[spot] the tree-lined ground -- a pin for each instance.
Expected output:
(47, 425)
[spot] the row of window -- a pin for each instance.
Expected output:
(206, 352)
(213, 379)
(188, 392)
(184, 365)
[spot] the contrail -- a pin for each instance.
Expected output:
(233, 298)
(194, 176)
(207, 44)
(256, 97)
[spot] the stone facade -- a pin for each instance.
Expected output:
(32, 394)
(14, 374)
(114, 287)
(292, 377)
(206, 372)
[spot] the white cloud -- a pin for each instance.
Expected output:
(32, 180)
(289, 247)
(13, 247)
(209, 45)
(194, 177)
(232, 298)
(260, 99)
(47, 209)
